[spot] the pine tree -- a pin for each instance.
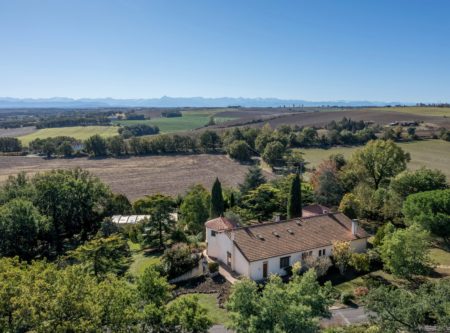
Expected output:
(253, 179)
(295, 198)
(217, 203)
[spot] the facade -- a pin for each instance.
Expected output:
(269, 248)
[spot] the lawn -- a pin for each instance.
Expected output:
(440, 256)
(428, 153)
(189, 121)
(142, 259)
(77, 132)
(217, 315)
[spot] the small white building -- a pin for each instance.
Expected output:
(257, 251)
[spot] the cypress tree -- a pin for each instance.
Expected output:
(217, 203)
(294, 208)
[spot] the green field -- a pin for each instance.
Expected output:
(215, 313)
(189, 121)
(433, 154)
(77, 132)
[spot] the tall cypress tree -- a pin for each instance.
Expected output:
(294, 208)
(217, 203)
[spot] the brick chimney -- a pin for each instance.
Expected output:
(354, 226)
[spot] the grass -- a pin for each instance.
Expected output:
(189, 121)
(141, 259)
(350, 285)
(440, 256)
(217, 315)
(77, 132)
(427, 153)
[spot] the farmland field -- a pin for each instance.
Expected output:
(78, 132)
(429, 153)
(15, 132)
(139, 176)
(189, 121)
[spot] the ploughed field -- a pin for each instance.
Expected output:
(381, 116)
(139, 176)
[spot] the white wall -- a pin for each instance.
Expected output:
(256, 267)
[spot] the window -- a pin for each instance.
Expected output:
(284, 262)
(322, 252)
(213, 233)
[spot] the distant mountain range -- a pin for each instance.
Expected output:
(62, 102)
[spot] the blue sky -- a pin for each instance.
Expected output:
(396, 50)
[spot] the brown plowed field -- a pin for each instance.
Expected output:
(320, 119)
(139, 176)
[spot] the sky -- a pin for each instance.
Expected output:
(317, 50)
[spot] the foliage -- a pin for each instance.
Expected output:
(253, 179)
(188, 314)
(360, 262)
(378, 162)
(101, 256)
(430, 210)
(262, 202)
(350, 205)
(319, 264)
(410, 182)
(213, 267)
(194, 209)
(116, 146)
(346, 298)
(96, 146)
(178, 260)
(217, 205)
(73, 199)
(328, 189)
(22, 229)
(341, 255)
(273, 153)
(397, 309)
(137, 130)
(239, 150)
(292, 307)
(118, 204)
(294, 208)
(159, 226)
(8, 144)
(405, 252)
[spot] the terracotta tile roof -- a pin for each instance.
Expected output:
(282, 238)
(313, 210)
(220, 224)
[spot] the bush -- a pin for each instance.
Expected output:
(360, 291)
(346, 298)
(213, 267)
(360, 262)
(319, 264)
(178, 260)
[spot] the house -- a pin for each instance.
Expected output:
(257, 251)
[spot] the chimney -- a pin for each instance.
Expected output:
(277, 218)
(354, 226)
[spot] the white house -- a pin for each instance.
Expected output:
(268, 248)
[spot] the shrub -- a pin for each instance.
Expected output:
(213, 267)
(178, 260)
(360, 262)
(346, 298)
(320, 264)
(360, 291)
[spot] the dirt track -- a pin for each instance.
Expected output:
(138, 176)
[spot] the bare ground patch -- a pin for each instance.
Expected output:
(139, 176)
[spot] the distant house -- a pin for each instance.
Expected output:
(257, 251)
